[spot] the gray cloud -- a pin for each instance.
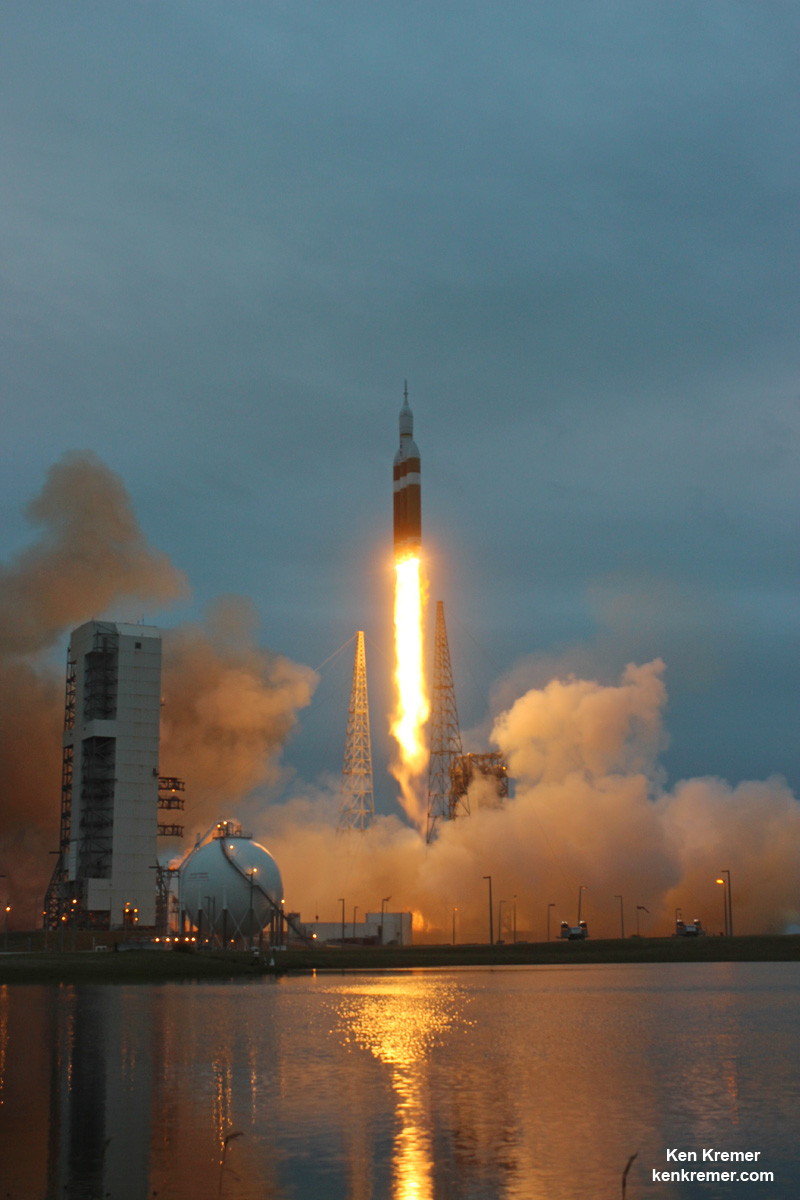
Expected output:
(233, 230)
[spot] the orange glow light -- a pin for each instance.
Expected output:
(412, 708)
(412, 703)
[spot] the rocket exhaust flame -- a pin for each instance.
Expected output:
(412, 703)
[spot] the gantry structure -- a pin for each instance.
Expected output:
(444, 803)
(356, 803)
(111, 789)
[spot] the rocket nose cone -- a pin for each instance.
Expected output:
(406, 420)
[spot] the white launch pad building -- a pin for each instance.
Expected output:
(110, 780)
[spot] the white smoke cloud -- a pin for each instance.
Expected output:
(589, 809)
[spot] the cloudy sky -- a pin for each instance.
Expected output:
(230, 232)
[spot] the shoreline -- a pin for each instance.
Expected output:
(155, 966)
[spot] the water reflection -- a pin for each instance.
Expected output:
(400, 1024)
(509, 1085)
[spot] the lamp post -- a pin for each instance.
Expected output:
(341, 901)
(583, 888)
(552, 904)
(515, 919)
(724, 905)
(355, 910)
(491, 916)
(384, 901)
(500, 920)
(621, 918)
(8, 910)
(725, 871)
(455, 910)
(640, 908)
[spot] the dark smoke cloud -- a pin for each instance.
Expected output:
(229, 704)
(91, 555)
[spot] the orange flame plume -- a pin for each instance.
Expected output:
(412, 703)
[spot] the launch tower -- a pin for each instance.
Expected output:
(445, 737)
(356, 805)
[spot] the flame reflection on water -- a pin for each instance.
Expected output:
(400, 1025)
(500, 1085)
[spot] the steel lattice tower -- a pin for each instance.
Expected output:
(445, 740)
(356, 805)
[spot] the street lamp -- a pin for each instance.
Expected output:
(621, 918)
(724, 904)
(500, 920)
(8, 910)
(384, 901)
(552, 904)
(455, 910)
(355, 910)
(515, 919)
(491, 916)
(341, 901)
(640, 908)
(583, 888)
(725, 871)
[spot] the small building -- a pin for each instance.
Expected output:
(393, 930)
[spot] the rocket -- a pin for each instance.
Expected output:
(407, 489)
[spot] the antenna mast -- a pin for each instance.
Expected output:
(356, 804)
(443, 802)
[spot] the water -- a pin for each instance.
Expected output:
(534, 1083)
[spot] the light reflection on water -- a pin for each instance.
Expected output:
(400, 1025)
(519, 1084)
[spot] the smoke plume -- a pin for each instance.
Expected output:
(590, 809)
(91, 555)
(229, 705)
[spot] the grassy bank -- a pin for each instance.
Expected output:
(151, 966)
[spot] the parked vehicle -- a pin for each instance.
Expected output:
(695, 929)
(574, 932)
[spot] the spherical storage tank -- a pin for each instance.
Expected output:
(217, 877)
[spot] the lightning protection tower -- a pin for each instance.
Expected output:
(356, 805)
(443, 803)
